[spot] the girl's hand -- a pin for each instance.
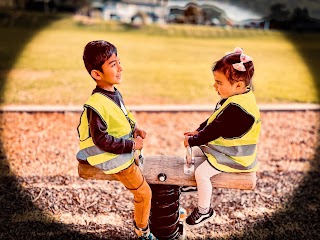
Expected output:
(190, 133)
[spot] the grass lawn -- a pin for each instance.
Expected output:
(162, 65)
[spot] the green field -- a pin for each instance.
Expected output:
(162, 65)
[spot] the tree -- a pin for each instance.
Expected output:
(193, 14)
(301, 15)
(279, 12)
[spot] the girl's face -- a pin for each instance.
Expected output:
(224, 88)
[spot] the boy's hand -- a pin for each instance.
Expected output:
(139, 132)
(191, 133)
(138, 143)
(186, 138)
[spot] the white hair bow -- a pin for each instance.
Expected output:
(243, 59)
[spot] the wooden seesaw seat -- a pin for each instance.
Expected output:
(170, 170)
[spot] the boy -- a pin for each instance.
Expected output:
(108, 133)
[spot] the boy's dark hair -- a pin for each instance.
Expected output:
(96, 53)
(224, 65)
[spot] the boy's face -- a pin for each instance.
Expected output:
(110, 74)
(224, 88)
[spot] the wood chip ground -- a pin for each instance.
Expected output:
(42, 197)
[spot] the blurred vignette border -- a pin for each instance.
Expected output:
(31, 17)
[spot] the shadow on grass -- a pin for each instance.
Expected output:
(13, 201)
(304, 220)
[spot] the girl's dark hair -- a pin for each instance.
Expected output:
(224, 65)
(96, 53)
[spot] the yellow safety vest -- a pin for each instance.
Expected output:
(236, 154)
(120, 124)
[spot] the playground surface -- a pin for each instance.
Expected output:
(42, 196)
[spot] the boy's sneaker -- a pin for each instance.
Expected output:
(197, 219)
(188, 189)
(144, 234)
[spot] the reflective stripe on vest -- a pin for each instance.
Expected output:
(236, 154)
(94, 151)
(226, 160)
(118, 126)
(236, 151)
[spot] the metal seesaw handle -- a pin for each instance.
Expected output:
(138, 157)
(188, 167)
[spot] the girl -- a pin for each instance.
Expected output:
(228, 138)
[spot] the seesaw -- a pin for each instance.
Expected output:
(165, 175)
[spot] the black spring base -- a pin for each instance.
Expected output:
(165, 216)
